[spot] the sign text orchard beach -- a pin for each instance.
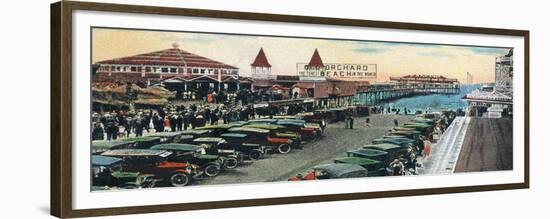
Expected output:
(337, 70)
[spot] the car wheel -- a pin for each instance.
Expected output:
(179, 179)
(231, 163)
(284, 149)
(255, 155)
(240, 157)
(212, 170)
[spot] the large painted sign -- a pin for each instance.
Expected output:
(336, 70)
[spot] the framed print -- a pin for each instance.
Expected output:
(170, 109)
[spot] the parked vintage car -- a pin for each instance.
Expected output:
(155, 162)
(394, 151)
(236, 141)
(333, 171)
(423, 120)
(263, 137)
(106, 173)
(307, 133)
(261, 121)
(195, 133)
(100, 146)
(143, 142)
(211, 145)
(313, 117)
(211, 165)
(401, 128)
(403, 142)
(278, 131)
(374, 167)
(414, 135)
(417, 126)
(369, 153)
(171, 137)
(217, 130)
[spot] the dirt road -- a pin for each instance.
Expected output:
(487, 146)
(336, 142)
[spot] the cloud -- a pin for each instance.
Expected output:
(372, 50)
(489, 51)
(438, 54)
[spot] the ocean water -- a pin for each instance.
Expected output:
(433, 102)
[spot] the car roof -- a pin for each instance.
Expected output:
(220, 126)
(262, 121)
(136, 153)
(264, 126)
(384, 146)
(141, 138)
(239, 122)
(357, 160)
(368, 152)
(233, 135)
(289, 122)
(336, 170)
(293, 120)
(98, 160)
(255, 130)
(176, 147)
(104, 144)
(404, 132)
(209, 139)
(165, 134)
(196, 131)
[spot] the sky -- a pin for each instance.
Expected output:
(391, 58)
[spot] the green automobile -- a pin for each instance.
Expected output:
(374, 167)
(369, 153)
(394, 151)
(107, 174)
(220, 129)
(212, 145)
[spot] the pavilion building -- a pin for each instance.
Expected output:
(177, 69)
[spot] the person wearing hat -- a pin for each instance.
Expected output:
(397, 167)
(179, 121)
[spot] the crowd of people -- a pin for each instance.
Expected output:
(117, 123)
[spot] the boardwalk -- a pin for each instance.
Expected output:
(446, 151)
(487, 146)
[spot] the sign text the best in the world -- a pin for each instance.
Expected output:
(337, 70)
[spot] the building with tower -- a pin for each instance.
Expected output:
(260, 68)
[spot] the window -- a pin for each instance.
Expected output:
(147, 69)
(164, 70)
(133, 69)
(202, 71)
(195, 71)
(173, 70)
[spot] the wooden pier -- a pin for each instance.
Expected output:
(407, 86)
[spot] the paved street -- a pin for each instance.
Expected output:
(336, 142)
